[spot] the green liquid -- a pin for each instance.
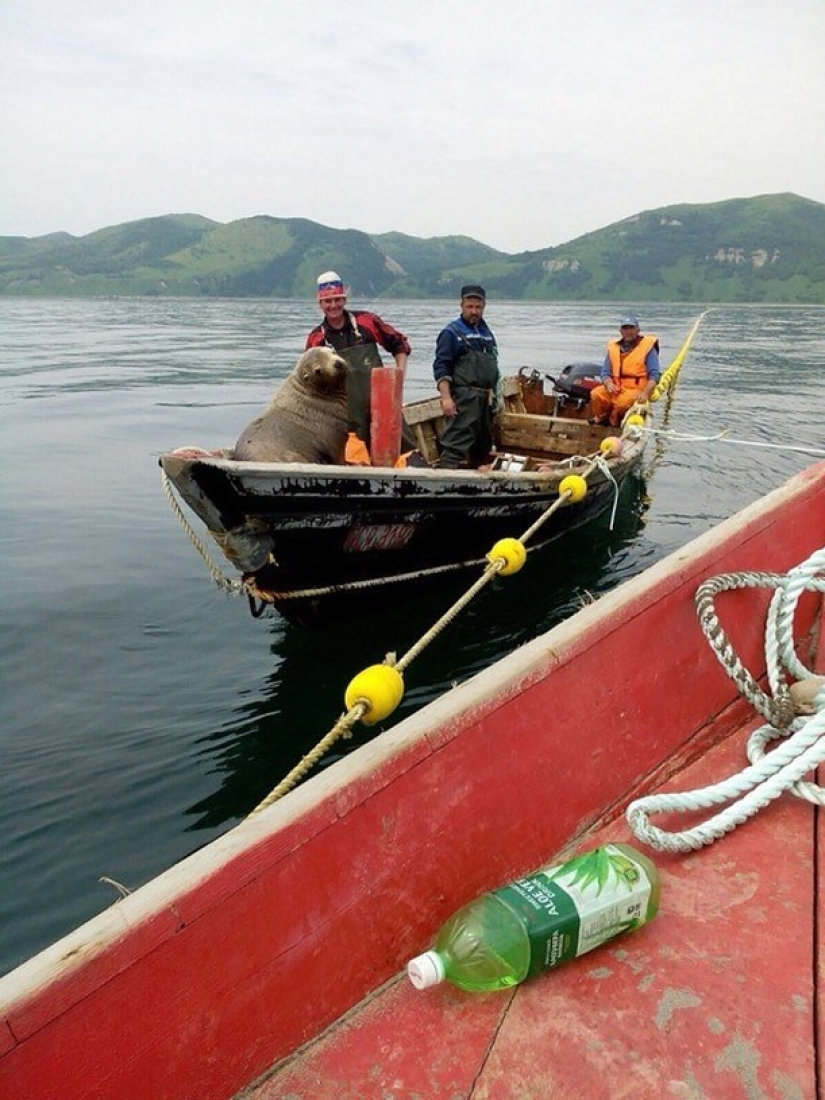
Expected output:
(484, 946)
(538, 922)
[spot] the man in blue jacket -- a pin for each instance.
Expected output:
(467, 376)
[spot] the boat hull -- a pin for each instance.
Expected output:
(306, 537)
(197, 983)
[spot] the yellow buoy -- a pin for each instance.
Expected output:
(611, 445)
(512, 552)
(575, 485)
(381, 687)
(635, 421)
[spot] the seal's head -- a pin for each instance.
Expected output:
(322, 370)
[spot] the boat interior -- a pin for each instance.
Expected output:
(534, 427)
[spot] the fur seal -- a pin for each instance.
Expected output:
(306, 420)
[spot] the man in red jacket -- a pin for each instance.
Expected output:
(356, 335)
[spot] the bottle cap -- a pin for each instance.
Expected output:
(426, 970)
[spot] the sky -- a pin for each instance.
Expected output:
(521, 123)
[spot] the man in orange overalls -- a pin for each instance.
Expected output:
(628, 376)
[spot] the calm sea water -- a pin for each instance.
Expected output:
(144, 711)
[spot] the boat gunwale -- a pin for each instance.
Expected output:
(174, 464)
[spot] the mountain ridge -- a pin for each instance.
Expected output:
(767, 248)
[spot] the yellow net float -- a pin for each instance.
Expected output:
(575, 486)
(611, 446)
(511, 552)
(635, 420)
(380, 687)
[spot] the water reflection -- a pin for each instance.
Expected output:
(302, 697)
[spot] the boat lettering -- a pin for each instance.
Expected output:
(382, 536)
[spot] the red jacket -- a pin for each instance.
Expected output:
(368, 328)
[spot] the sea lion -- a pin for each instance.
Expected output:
(307, 418)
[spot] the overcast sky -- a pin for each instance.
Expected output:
(522, 123)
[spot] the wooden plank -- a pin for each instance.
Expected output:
(513, 396)
(420, 411)
(546, 435)
(427, 421)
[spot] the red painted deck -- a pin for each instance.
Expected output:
(714, 999)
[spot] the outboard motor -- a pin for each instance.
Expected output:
(531, 385)
(574, 384)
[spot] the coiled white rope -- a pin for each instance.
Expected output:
(795, 712)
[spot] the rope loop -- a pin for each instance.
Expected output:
(795, 716)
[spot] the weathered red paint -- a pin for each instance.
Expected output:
(713, 999)
(386, 404)
(197, 983)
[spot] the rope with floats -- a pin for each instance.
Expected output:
(671, 375)
(665, 387)
(795, 712)
(377, 691)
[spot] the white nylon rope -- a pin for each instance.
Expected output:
(783, 768)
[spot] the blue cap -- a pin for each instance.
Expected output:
(631, 320)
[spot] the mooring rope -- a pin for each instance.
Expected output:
(228, 584)
(725, 437)
(795, 713)
(357, 586)
(346, 723)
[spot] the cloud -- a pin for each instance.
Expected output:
(522, 125)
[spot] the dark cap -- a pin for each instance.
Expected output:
(473, 290)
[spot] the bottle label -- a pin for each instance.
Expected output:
(572, 907)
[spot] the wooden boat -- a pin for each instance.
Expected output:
(310, 538)
(270, 964)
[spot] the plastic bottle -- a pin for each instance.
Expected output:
(541, 921)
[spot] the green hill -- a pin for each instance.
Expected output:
(765, 249)
(770, 248)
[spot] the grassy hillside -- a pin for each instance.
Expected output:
(765, 249)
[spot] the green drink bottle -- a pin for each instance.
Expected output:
(541, 921)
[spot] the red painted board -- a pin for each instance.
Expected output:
(714, 998)
(386, 402)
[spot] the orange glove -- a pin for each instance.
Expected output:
(356, 453)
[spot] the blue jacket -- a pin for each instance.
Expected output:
(449, 347)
